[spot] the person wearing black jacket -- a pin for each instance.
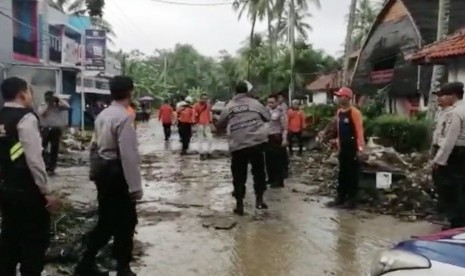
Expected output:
(25, 200)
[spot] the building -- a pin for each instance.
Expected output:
(321, 90)
(46, 47)
(449, 51)
(401, 28)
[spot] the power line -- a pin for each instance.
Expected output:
(193, 4)
(27, 25)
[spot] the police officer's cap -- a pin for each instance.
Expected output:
(451, 88)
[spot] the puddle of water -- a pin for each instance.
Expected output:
(296, 236)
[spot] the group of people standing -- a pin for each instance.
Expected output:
(186, 116)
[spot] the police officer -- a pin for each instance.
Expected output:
(51, 119)
(25, 200)
(277, 142)
(115, 170)
(445, 106)
(245, 119)
(449, 161)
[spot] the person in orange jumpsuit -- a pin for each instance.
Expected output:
(297, 124)
(185, 121)
(165, 116)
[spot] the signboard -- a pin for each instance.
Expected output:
(383, 180)
(95, 44)
(70, 55)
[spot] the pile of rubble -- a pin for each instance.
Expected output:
(75, 140)
(69, 232)
(410, 195)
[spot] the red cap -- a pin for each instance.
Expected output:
(344, 92)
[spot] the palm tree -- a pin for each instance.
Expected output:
(301, 27)
(365, 14)
(254, 11)
(79, 8)
(348, 42)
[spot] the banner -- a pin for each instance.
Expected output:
(95, 43)
(70, 54)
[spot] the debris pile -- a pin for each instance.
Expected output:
(69, 232)
(75, 140)
(411, 194)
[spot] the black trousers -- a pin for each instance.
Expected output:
(292, 137)
(52, 136)
(117, 216)
(275, 157)
(167, 131)
(450, 181)
(349, 169)
(239, 165)
(25, 233)
(185, 133)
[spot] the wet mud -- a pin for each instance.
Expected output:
(186, 226)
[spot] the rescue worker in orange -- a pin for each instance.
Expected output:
(297, 124)
(203, 119)
(165, 116)
(351, 142)
(185, 121)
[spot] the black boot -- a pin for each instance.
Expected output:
(239, 210)
(88, 267)
(259, 203)
(125, 271)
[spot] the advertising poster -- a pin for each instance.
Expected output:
(95, 44)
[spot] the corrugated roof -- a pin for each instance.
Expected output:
(451, 46)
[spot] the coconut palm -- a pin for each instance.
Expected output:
(365, 15)
(301, 27)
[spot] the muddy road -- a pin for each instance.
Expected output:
(186, 226)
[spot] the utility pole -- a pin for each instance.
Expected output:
(439, 71)
(292, 49)
(348, 43)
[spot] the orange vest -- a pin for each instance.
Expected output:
(357, 118)
(202, 114)
(296, 120)
(186, 115)
(165, 115)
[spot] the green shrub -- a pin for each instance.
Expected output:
(404, 134)
(321, 111)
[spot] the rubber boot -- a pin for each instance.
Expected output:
(239, 210)
(259, 203)
(88, 267)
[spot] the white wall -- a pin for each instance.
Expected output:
(320, 98)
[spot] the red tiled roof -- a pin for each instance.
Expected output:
(451, 46)
(326, 82)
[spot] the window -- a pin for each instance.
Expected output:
(384, 63)
(25, 34)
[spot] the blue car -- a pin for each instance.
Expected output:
(439, 254)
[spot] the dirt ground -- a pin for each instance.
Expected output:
(187, 228)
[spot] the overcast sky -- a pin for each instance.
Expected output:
(147, 25)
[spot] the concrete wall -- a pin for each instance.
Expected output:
(6, 31)
(320, 98)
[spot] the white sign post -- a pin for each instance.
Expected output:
(383, 180)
